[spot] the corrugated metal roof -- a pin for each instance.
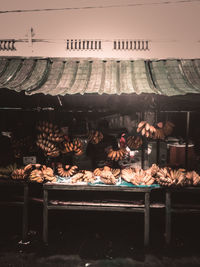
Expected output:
(70, 76)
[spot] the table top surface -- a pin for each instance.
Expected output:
(112, 188)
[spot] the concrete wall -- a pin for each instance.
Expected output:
(172, 28)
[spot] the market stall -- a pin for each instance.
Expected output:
(75, 122)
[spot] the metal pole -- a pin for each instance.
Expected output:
(157, 145)
(168, 217)
(25, 214)
(143, 148)
(146, 219)
(158, 152)
(45, 216)
(187, 138)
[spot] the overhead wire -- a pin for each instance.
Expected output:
(165, 2)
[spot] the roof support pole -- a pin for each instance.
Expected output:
(187, 138)
(143, 146)
(157, 143)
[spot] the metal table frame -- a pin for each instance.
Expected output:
(126, 207)
(23, 204)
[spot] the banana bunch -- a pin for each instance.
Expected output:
(168, 128)
(49, 138)
(48, 174)
(8, 169)
(75, 146)
(18, 174)
(83, 176)
(116, 154)
(153, 170)
(141, 177)
(107, 177)
(97, 171)
(49, 148)
(116, 172)
(67, 170)
(178, 176)
(134, 142)
(164, 178)
(95, 137)
(146, 129)
(192, 178)
(163, 130)
(36, 176)
(54, 137)
(159, 134)
(127, 174)
(78, 147)
(39, 173)
(48, 128)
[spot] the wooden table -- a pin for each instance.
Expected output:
(8, 184)
(89, 205)
(178, 208)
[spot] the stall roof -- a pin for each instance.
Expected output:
(94, 76)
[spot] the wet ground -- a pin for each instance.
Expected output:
(97, 239)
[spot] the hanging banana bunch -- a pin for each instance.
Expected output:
(116, 155)
(95, 137)
(49, 138)
(74, 146)
(146, 129)
(134, 142)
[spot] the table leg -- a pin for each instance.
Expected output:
(168, 217)
(146, 219)
(25, 214)
(45, 217)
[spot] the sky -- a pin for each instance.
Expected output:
(172, 25)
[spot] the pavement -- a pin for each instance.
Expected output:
(97, 239)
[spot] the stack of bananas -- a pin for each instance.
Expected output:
(137, 176)
(127, 174)
(75, 146)
(39, 173)
(116, 154)
(107, 177)
(167, 177)
(18, 174)
(192, 178)
(67, 170)
(141, 177)
(95, 137)
(116, 172)
(49, 138)
(134, 142)
(5, 172)
(48, 174)
(36, 176)
(83, 176)
(153, 170)
(107, 174)
(146, 129)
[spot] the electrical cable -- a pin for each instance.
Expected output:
(165, 2)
